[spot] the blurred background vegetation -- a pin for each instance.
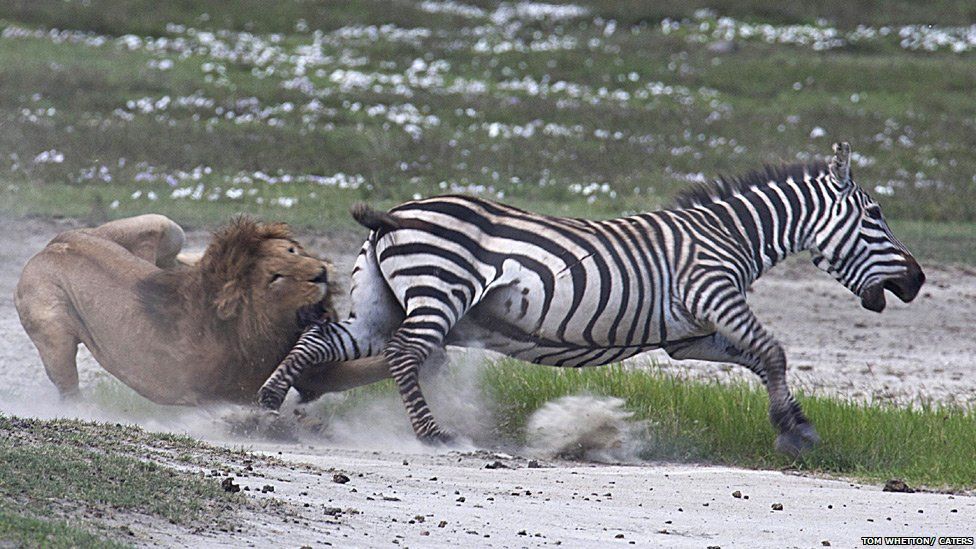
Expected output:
(296, 109)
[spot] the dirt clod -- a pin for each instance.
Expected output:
(777, 507)
(267, 488)
(533, 464)
(496, 465)
(898, 485)
(339, 478)
(825, 543)
(229, 485)
(737, 494)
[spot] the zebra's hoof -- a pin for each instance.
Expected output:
(270, 399)
(798, 441)
(439, 438)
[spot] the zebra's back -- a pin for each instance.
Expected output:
(544, 289)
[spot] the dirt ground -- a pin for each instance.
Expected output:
(921, 351)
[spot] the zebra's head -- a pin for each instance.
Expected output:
(854, 244)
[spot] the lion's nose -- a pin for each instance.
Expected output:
(322, 278)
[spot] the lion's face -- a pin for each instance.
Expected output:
(287, 281)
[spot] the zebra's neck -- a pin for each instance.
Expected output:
(774, 220)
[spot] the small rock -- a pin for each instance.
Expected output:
(333, 511)
(442, 524)
(777, 507)
(229, 486)
(897, 485)
(460, 499)
(533, 464)
(496, 465)
(737, 494)
(339, 478)
(825, 543)
(267, 488)
(425, 532)
(618, 536)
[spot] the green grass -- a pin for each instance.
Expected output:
(940, 242)
(58, 476)
(725, 113)
(21, 530)
(727, 423)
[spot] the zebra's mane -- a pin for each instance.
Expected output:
(701, 194)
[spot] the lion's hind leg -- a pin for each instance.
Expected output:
(153, 237)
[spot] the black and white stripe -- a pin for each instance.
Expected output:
(457, 270)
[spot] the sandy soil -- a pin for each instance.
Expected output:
(920, 351)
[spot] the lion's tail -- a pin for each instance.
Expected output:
(372, 219)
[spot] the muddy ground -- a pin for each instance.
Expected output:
(923, 351)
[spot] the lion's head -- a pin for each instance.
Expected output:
(254, 289)
(260, 271)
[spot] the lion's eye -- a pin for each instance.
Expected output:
(292, 250)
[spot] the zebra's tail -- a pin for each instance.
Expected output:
(372, 219)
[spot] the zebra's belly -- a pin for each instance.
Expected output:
(503, 333)
(524, 346)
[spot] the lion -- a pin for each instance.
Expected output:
(179, 331)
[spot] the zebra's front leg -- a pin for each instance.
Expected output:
(736, 323)
(715, 348)
(320, 343)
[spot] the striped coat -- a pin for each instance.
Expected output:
(457, 270)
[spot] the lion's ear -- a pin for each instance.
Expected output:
(229, 301)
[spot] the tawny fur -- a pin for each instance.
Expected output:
(180, 334)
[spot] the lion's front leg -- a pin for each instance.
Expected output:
(334, 378)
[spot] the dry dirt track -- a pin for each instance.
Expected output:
(924, 350)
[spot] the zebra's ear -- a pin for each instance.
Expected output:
(840, 164)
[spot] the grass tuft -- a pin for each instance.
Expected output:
(726, 423)
(59, 476)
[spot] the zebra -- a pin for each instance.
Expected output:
(459, 270)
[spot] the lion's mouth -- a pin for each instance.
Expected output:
(314, 313)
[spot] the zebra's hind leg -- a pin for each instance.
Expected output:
(418, 337)
(736, 323)
(320, 343)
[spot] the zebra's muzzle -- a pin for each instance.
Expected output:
(905, 287)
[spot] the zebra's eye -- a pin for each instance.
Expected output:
(291, 250)
(275, 277)
(873, 212)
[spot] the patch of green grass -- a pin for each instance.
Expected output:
(124, 126)
(60, 469)
(727, 423)
(941, 242)
(21, 530)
